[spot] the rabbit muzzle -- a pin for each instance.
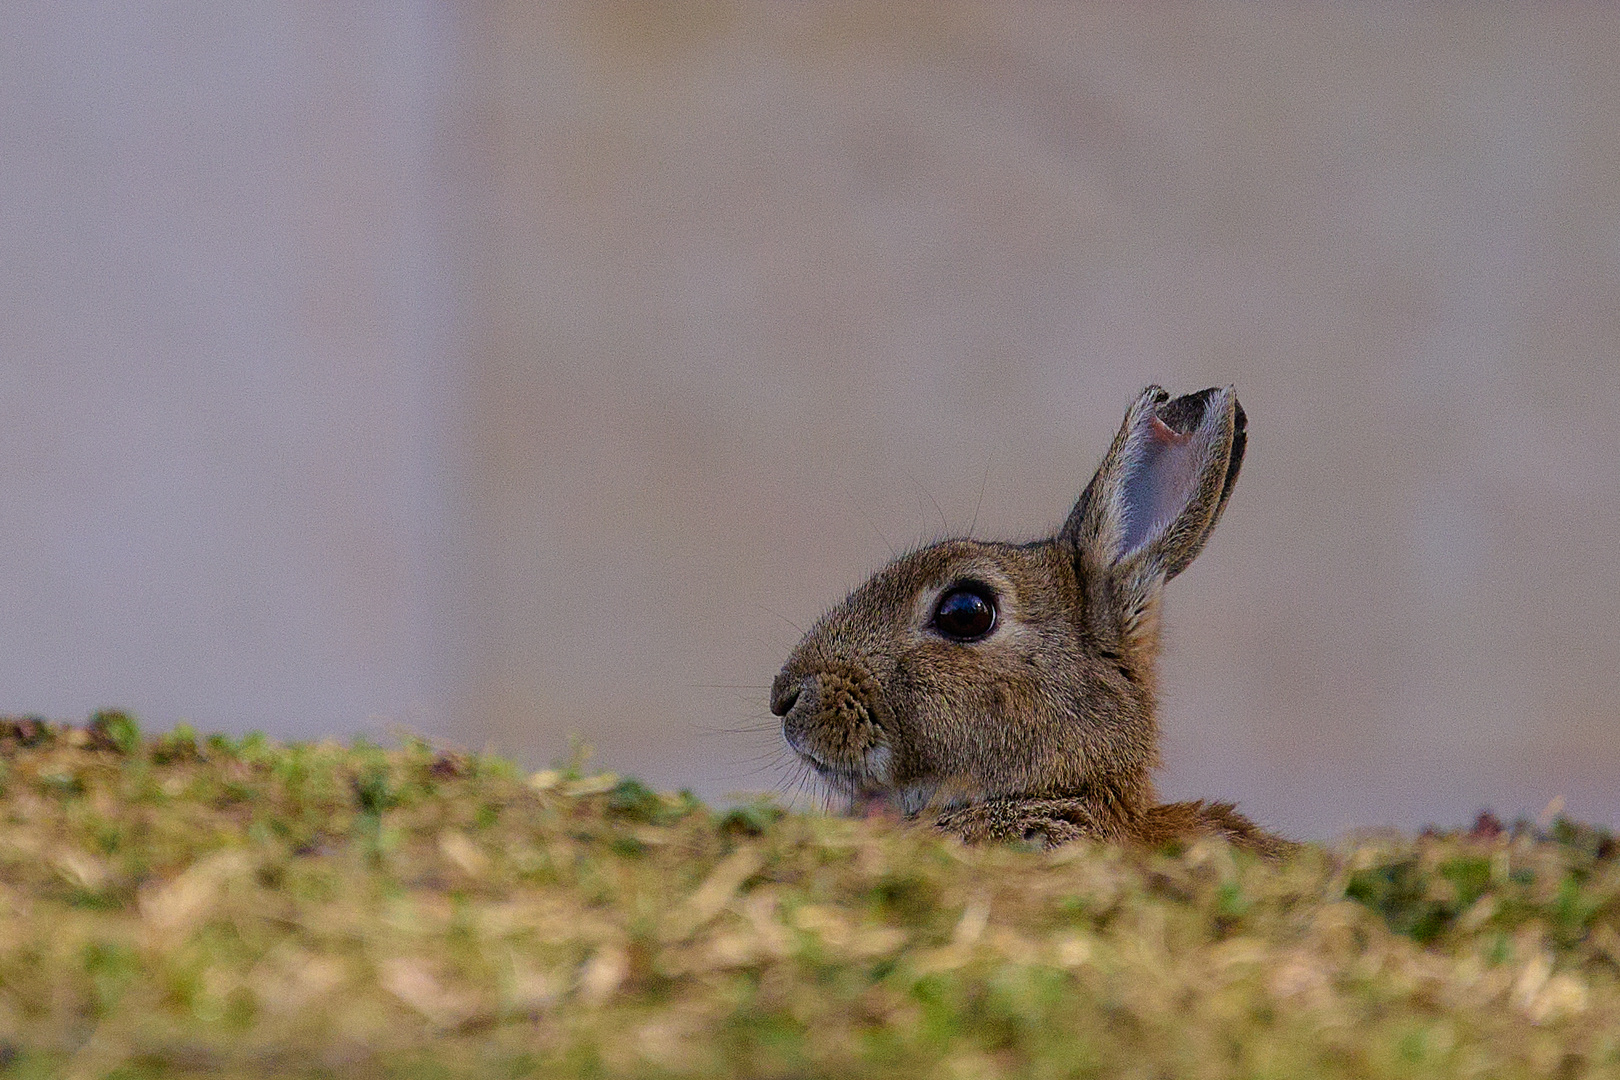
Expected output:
(835, 720)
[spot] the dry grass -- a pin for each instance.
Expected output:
(174, 908)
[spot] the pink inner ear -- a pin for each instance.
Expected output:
(1159, 485)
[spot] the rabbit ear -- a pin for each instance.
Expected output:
(1158, 493)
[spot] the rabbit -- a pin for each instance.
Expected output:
(1007, 691)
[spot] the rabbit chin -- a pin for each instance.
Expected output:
(867, 785)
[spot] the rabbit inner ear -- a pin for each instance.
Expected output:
(1161, 481)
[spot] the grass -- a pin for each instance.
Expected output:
(217, 907)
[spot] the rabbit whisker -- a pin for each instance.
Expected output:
(984, 482)
(761, 728)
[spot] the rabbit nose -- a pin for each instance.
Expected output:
(783, 695)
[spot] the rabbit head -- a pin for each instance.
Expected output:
(970, 672)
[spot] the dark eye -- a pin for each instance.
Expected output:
(965, 613)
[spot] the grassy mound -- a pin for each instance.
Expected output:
(177, 907)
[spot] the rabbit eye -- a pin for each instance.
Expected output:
(965, 614)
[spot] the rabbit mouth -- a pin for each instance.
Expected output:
(869, 787)
(867, 775)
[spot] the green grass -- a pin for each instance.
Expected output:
(187, 907)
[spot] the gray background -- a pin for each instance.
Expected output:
(510, 371)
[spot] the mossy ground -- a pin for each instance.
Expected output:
(185, 907)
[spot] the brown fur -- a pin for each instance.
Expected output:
(1045, 727)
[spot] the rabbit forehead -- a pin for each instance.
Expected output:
(890, 608)
(1018, 574)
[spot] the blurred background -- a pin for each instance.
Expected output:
(511, 371)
